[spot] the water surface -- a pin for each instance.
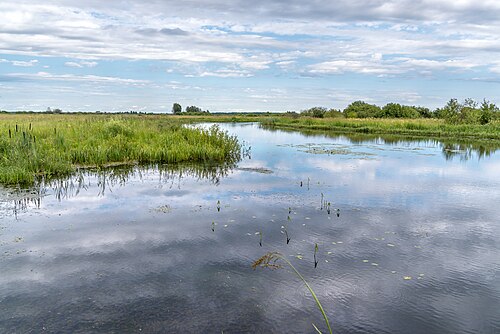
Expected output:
(415, 247)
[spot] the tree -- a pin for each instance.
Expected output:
(176, 109)
(362, 109)
(318, 112)
(193, 110)
(487, 111)
(396, 110)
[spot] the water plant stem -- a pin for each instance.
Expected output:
(269, 261)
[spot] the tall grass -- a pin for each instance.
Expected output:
(48, 146)
(408, 127)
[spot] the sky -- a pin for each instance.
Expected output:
(238, 55)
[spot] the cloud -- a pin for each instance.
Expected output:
(283, 43)
(227, 73)
(24, 63)
(73, 77)
(81, 64)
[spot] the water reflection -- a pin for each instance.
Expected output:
(462, 149)
(105, 180)
(408, 242)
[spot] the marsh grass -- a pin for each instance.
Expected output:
(430, 128)
(48, 146)
(271, 260)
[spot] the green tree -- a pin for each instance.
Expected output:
(487, 111)
(396, 110)
(318, 112)
(333, 113)
(193, 110)
(176, 109)
(362, 109)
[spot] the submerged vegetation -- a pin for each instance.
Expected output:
(47, 146)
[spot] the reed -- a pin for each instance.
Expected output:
(48, 146)
(270, 260)
(428, 128)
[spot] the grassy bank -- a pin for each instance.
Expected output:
(430, 128)
(56, 145)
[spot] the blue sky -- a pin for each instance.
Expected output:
(240, 55)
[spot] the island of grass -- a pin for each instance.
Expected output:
(46, 146)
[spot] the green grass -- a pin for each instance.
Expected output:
(429, 128)
(48, 146)
(424, 127)
(57, 145)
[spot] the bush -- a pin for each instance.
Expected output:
(318, 112)
(361, 109)
(467, 112)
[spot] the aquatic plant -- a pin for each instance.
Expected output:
(270, 260)
(315, 251)
(287, 238)
(49, 146)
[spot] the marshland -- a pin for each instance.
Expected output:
(151, 223)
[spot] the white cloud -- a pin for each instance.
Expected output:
(72, 77)
(24, 63)
(81, 64)
(293, 41)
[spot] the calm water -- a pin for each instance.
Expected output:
(415, 249)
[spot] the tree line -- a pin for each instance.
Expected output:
(454, 112)
(190, 110)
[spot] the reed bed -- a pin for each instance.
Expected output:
(431, 128)
(47, 146)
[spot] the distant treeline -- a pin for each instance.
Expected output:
(454, 112)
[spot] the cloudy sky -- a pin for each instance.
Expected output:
(236, 55)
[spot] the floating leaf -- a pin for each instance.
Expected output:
(407, 278)
(300, 257)
(366, 261)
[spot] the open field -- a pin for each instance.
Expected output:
(56, 145)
